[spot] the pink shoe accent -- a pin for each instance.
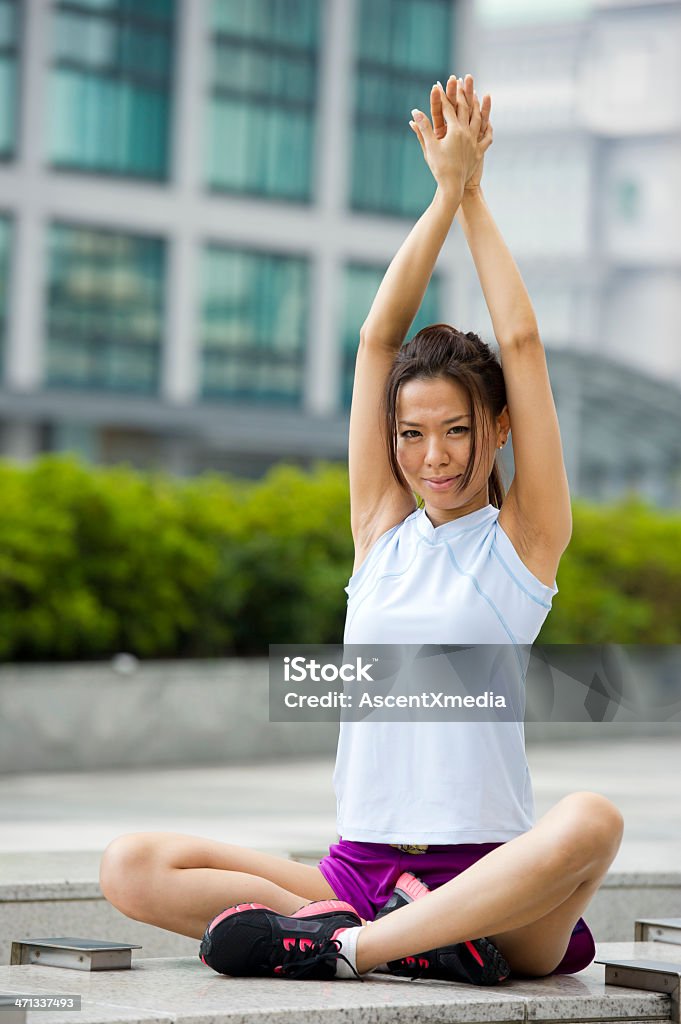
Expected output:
(471, 949)
(324, 907)
(236, 910)
(290, 941)
(410, 961)
(411, 885)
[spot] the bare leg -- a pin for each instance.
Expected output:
(180, 882)
(538, 948)
(513, 894)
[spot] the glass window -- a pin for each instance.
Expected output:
(254, 325)
(105, 309)
(402, 47)
(111, 86)
(628, 199)
(5, 270)
(360, 287)
(9, 41)
(263, 85)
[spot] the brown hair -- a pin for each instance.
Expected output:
(441, 351)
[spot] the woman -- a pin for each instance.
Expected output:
(495, 893)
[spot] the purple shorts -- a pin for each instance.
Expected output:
(364, 874)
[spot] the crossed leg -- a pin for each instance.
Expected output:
(526, 896)
(181, 882)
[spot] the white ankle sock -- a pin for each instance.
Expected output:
(348, 940)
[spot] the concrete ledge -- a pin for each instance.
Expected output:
(91, 715)
(184, 989)
(126, 714)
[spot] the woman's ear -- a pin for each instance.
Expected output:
(504, 420)
(503, 427)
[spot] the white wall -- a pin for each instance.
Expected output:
(630, 77)
(641, 322)
(642, 193)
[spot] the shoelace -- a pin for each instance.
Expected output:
(319, 952)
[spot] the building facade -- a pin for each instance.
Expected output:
(585, 179)
(198, 199)
(192, 205)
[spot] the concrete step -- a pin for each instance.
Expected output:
(183, 989)
(658, 929)
(59, 894)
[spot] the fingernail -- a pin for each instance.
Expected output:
(416, 114)
(440, 84)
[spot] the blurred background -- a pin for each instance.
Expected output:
(198, 199)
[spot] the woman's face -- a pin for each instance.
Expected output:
(434, 442)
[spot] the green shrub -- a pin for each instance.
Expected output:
(95, 561)
(620, 578)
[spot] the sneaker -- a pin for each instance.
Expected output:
(407, 889)
(328, 908)
(477, 962)
(251, 940)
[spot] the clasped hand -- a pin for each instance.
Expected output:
(455, 143)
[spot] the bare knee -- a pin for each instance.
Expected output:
(594, 828)
(601, 821)
(126, 868)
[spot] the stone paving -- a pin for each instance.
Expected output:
(289, 805)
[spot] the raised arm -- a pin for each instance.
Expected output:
(536, 512)
(377, 501)
(505, 294)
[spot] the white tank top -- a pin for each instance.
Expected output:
(439, 782)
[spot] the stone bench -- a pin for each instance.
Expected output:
(183, 989)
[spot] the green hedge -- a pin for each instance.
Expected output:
(619, 580)
(95, 561)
